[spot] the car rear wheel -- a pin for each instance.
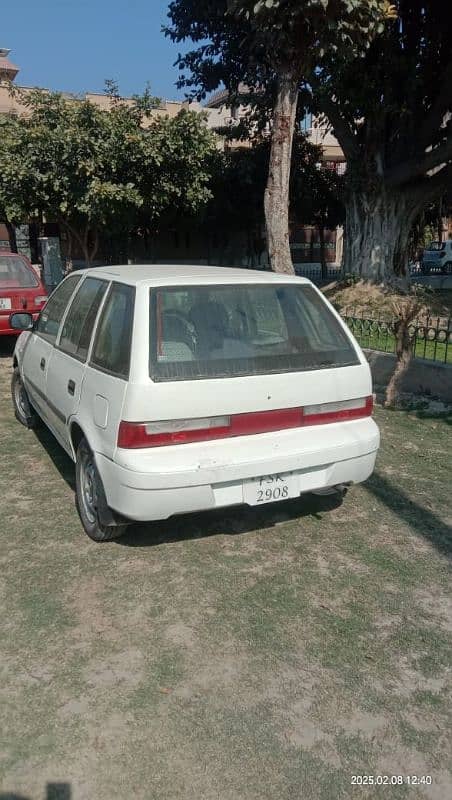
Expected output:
(23, 410)
(90, 498)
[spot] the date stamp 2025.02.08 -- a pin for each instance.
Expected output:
(391, 780)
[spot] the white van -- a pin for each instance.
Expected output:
(178, 389)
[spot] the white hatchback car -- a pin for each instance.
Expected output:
(177, 389)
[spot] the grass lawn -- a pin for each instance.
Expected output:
(264, 654)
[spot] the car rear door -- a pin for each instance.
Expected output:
(40, 345)
(67, 365)
(107, 373)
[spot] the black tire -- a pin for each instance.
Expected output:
(23, 410)
(447, 268)
(89, 495)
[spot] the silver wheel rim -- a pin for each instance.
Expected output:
(88, 488)
(20, 398)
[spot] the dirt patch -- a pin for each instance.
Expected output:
(363, 724)
(91, 610)
(438, 608)
(121, 670)
(181, 635)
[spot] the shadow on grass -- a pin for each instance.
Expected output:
(54, 791)
(442, 416)
(61, 460)
(243, 519)
(230, 521)
(419, 410)
(420, 519)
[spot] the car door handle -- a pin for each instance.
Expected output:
(42, 363)
(71, 387)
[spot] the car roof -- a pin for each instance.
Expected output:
(172, 274)
(10, 254)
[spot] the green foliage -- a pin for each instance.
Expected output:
(316, 192)
(252, 42)
(391, 109)
(392, 120)
(238, 185)
(90, 168)
(273, 46)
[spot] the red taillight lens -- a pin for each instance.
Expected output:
(132, 434)
(159, 434)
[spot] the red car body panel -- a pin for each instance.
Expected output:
(21, 289)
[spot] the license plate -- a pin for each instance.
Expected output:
(270, 489)
(5, 303)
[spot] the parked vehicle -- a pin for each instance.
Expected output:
(437, 258)
(20, 290)
(178, 389)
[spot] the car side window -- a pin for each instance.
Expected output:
(53, 311)
(111, 350)
(79, 323)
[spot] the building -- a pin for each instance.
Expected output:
(8, 71)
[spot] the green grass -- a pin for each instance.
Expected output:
(248, 654)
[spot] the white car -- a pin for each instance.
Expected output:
(437, 258)
(183, 388)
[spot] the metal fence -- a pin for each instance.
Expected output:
(431, 337)
(314, 272)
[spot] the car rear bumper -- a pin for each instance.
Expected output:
(347, 456)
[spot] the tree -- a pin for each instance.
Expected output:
(238, 186)
(315, 193)
(93, 170)
(270, 45)
(9, 213)
(391, 112)
(236, 206)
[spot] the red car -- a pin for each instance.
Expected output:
(20, 290)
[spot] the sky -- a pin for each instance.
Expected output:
(74, 45)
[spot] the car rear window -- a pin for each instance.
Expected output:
(246, 329)
(15, 273)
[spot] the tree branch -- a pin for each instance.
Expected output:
(95, 246)
(341, 128)
(427, 189)
(439, 108)
(403, 173)
(73, 231)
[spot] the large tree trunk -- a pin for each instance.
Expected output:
(277, 191)
(377, 231)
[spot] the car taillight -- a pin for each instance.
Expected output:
(184, 431)
(335, 412)
(42, 298)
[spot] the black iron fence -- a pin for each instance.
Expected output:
(431, 337)
(314, 273)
